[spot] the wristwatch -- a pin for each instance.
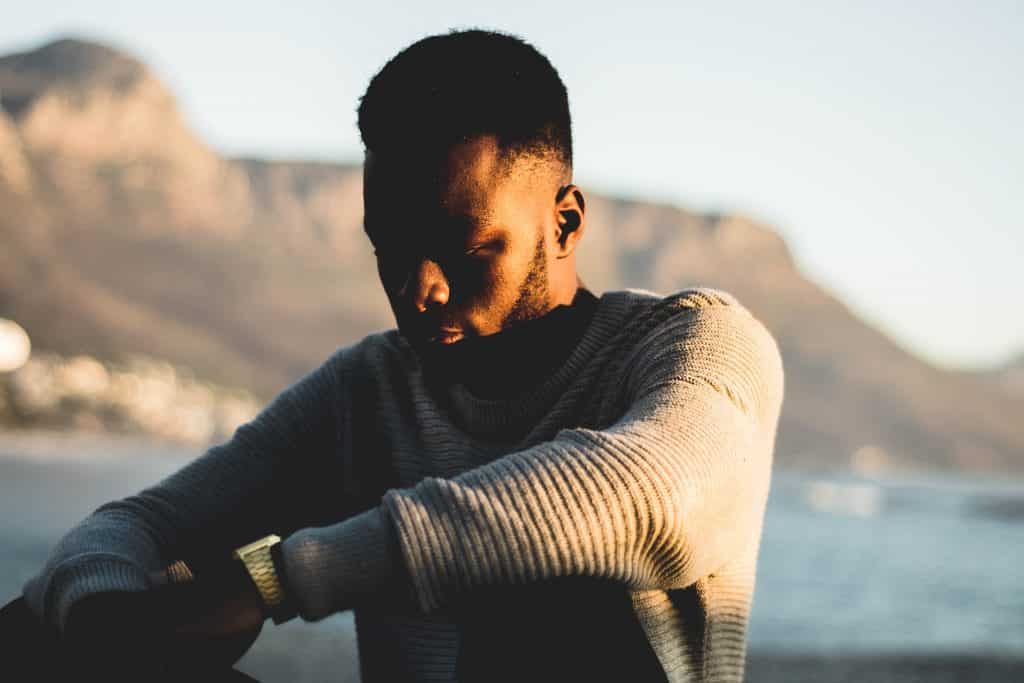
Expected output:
(262, 560)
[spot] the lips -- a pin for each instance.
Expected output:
(445, 336)
(430, 329)
(432, 332)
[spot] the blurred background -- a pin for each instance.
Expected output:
(180, 238)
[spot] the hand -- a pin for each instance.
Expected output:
(116, 634)
(215, 618)
(221, 602)
(210, 621)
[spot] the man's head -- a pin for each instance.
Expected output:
(468, 191)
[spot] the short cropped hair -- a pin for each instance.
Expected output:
(452, 87)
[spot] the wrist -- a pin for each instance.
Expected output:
(287, 609)
(262, 562)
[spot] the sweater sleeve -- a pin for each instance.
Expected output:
(662, 497)
(234, 493)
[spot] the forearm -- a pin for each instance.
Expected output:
(648, 511)
(106, 552)
(338, 567)
(607, 505)
(263, 479)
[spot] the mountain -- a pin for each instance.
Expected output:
(124, 233)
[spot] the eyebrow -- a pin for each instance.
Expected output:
(467, 222)
(472, 221)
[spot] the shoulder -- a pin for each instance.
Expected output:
(376, 348)
(658, 319)
(689, 299)
(705, 336)
(648, 309)
(380, 358)
(712, 316)
(347, 364)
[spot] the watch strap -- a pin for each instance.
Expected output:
(286, 609)
(258, 558)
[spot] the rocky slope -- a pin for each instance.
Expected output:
(123, 233)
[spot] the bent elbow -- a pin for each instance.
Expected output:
(708, 535)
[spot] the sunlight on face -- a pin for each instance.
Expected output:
(461, 240)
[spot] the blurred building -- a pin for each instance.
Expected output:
(136, 396)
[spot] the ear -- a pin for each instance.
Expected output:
(570, 219)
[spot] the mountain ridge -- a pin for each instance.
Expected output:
(127, 234)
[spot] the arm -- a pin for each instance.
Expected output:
(662, 497)
(232, 494)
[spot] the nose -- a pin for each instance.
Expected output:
(427, 285)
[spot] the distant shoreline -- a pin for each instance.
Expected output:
(81, 446)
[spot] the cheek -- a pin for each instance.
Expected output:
(488, 289)
(485, 281)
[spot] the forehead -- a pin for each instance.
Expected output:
(460, 180)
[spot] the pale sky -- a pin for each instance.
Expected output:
(884, 140)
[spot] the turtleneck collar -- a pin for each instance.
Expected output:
(507, 363)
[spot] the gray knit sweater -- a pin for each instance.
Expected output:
(633, 479)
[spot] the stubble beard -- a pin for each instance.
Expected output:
(534, 294)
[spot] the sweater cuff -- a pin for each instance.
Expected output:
(51, 597)
(335, 568)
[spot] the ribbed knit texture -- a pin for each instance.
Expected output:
(629, 487)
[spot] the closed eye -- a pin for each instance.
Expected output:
(485, 247)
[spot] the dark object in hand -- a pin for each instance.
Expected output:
(185, 624)
(36, 653)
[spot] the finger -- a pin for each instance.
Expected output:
(178, 572)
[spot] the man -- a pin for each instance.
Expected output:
(523, 481)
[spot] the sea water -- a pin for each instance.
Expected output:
(921, 565)
(847, 565)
